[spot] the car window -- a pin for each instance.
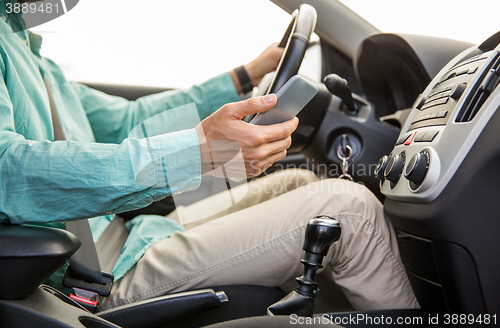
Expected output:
(453, 19)
(160, 42)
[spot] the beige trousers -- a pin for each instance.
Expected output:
(259, 241)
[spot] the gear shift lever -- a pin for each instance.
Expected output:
(321, 232)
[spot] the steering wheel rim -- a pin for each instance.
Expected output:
(296, 41)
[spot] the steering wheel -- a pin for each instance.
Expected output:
(295, 41)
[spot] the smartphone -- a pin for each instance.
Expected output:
(292, 97)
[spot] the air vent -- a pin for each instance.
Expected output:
(478, 97)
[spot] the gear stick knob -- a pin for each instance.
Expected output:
(321, 232)
(340, 87)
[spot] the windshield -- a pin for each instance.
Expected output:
(453, 19)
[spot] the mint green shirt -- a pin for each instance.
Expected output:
(91, 174)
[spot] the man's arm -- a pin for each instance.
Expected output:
(44, 181)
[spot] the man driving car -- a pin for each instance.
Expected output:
(85, 169)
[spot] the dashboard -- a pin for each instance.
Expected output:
(444, 123)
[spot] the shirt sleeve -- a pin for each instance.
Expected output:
(44, 181)
(112, 117)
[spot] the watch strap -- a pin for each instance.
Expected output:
(245, 82)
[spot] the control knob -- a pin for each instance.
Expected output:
(417, 168)
(394, 168)
(381, 165)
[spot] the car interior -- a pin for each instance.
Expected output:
(414, 118)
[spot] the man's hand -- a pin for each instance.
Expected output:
(266, 62)
(223, 133)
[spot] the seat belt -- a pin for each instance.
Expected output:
(84, 274)
(110, 244)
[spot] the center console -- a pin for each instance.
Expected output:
(442, 188)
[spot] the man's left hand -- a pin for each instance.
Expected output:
(266, 62)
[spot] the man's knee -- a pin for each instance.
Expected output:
(346, 197)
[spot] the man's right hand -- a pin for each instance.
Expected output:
(261, 146)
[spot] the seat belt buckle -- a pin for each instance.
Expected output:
(84, 298)
(85, 291)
